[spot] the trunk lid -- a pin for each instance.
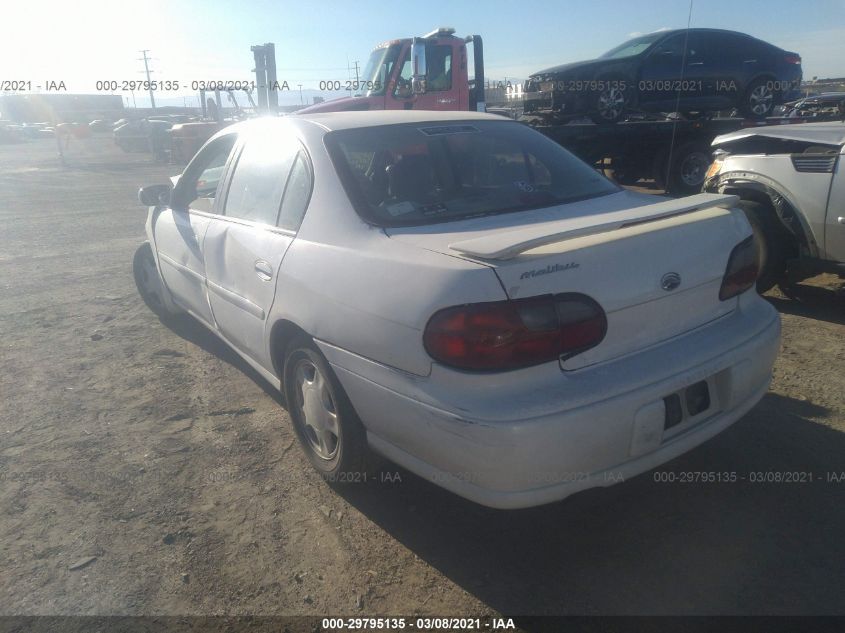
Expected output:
(655, 265)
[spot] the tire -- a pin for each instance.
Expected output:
(609, 106)
(772, 245)
(326, 425)
(759, 99)
(150, 285)
(689, 167)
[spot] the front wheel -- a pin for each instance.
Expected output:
(772, 244)
(149, 283)
(610, 105)
(326, 425)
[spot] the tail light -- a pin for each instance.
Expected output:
(510, 334)
(742, 269)
(792, 58)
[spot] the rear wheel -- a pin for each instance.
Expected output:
(759, 100)
(772, 244)
(326, 425)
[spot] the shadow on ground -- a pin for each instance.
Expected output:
(812, 302)
(191, 330)
(751, 546)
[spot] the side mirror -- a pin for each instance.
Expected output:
(418, 67)
(154, 195)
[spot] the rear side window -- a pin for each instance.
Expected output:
(425, 173)
(255, 193)
(297, 193)
(729, 48)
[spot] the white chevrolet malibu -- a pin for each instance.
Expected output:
(458, 293)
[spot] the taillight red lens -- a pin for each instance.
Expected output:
(742, 270)
(793, 59)
(510, 334)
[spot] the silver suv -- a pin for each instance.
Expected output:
(791, 182)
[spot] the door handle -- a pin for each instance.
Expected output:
(696, 64)
(750, 61)
(263, 269)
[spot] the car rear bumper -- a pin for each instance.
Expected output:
(537, 436)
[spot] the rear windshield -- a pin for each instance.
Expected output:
(424, 173)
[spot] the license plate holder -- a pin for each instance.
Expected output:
(687, 404)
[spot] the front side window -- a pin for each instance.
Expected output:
(426, 173)
(198, 185)
(438, 71)
(674, 45)
(261, 173)
(701, 47)
(438, 59)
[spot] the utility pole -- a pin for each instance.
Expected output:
(300, 94)
(348, 73)
(148, 71)
(356, 72)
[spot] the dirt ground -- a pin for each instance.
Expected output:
(149, 471)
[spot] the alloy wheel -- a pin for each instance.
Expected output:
(760, 100)
(611, 103)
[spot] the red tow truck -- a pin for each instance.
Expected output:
(420, 73)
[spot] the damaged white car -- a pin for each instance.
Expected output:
(792, 186)
(458, 293)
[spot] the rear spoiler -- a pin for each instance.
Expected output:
(508, 243)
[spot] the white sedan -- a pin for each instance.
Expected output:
(461, 295)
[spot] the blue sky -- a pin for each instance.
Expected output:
(81, 42)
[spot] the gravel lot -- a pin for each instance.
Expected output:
(149, 471)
